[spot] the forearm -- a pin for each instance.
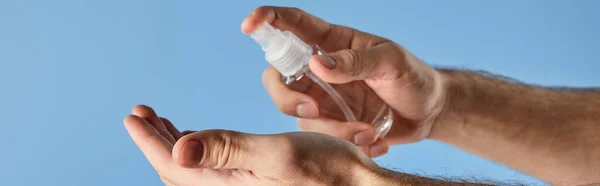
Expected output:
(548, 133)
(386, 177)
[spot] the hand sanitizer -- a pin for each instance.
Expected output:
(289, 55)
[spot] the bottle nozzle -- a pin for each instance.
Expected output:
(283, 50)
(263, 35)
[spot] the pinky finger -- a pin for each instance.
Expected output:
(379, 148)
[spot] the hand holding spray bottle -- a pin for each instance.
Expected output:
(290, 55)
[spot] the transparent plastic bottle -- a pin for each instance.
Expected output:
(354, 101)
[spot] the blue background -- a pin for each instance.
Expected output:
(71, 70)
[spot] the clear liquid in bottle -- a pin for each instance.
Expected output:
(364, 104)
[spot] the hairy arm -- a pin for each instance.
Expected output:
(396, 179)
(549, 133)
(385, 177)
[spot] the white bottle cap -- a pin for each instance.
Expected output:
(283, 50)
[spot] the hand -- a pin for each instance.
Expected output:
(219, 157)
(412, 88)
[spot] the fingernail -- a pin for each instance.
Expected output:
(328, 62)
(307, 110)
(378, 150)
(192, 153)
(364, 137)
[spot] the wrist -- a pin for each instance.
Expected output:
(474, 106)
(449, 89)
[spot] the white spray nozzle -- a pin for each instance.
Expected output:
(283, 50)
(263, 34)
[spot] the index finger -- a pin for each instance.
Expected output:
(310, 29)
(154, 146)
(287, 100)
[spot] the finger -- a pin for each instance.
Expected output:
(405, 131)
(309, 28)
(222, 149)
(151, 117)
(166, 181)
(288, 101)
(359, 133)
(153, 145)
(302, 85)
(383, 61)
(379, 148)
(171, 128)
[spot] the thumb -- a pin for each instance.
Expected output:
(381, 61)
(220, 149)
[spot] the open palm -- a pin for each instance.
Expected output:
(220, 157)
(156, 137)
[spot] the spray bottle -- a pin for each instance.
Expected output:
(290, 55)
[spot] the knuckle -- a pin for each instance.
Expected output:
(353, 61)
(397, 51)
(351, 56)
(222, 149)
(400, 60)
